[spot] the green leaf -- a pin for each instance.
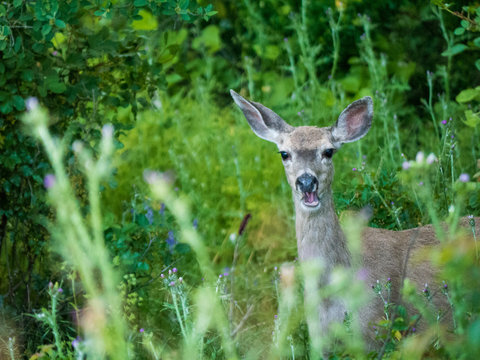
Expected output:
(19, 103)
(454, 50)
(99, 13)
(146, 22)
(53, 84)
(476, 42)
(477, 64)
(140, 3)
(60, 24)
(17, 3)
(184, 4)
(46, 29)
(467, 95)
(459, 31)
(471, 119)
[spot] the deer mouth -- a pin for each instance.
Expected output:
(310, 199)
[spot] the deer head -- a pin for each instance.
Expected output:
(307, 151)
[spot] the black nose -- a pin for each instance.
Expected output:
(306, 183)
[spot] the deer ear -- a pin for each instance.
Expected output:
(354, 122)
(263, 121)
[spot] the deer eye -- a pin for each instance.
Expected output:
(285, 155)
(328, 153)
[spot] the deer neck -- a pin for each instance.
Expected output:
(319, 235)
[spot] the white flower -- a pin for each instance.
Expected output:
(420, 157)
(431, 159)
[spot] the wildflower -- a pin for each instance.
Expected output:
(76, 342)
(31, 103)
(149, 215)
(225, 274)
(414, 329)
(354, 169)
(107, 130)
(172, 283)
(285, 39)
(169, 272)
(420, 157)
(431, 159)
(50, 285)
(141, 330)
(444, 122)
(470, 217)
(60, 290)
(392, 203)
(363, 36)
(180, 279)
(420, 183)
(162, 209)
(389, 279)
(275, 316)
(49, 181)
(464, 178)
(405, 165)
(162, 276)
(171, 240)
(55, 53)
(195, 224)
(174, 270)
(220, 276)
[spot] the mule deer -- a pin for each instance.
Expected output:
(307, 153)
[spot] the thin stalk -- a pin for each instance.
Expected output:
(177, 312)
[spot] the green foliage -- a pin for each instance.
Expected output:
(159, 72)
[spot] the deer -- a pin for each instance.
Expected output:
(307, 153)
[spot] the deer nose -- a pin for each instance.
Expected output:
(306, 183)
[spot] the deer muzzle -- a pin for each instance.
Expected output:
(308, 185)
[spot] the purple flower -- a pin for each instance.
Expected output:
(162, 276)
(31, 103)
(162, 209)
(171, 240)
(174, 270)
(389, 279)
(354, 169)
(149, 216)
(420, 183)
(195, 224)
(392, 203)
(55, 53)
(464, 178)
(220, 276)
(141, 330)
(285, 39)
(172, 283)
(60, 290)
(275, 317)
(444, 122)
(49, 181)
(76, 342)
(413, 329)
(225, 274)
(405, 165)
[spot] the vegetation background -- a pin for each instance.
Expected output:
(101, 256)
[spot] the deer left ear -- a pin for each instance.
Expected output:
(354, 122)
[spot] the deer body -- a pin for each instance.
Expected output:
(306, 152)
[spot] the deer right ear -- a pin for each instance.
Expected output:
(263, 121)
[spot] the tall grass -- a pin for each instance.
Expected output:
(205, 173)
